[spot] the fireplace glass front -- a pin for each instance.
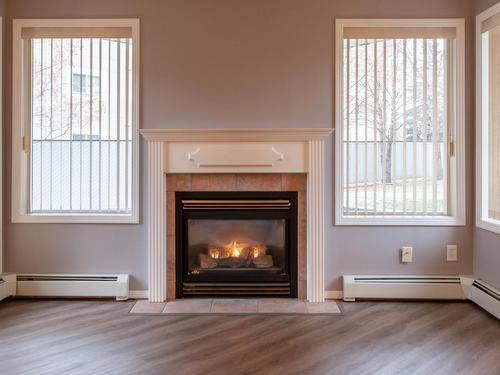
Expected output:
(236, 243)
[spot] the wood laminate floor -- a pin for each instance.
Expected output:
(100, 337)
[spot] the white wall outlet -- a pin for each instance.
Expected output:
(406, 254)
(451, 253)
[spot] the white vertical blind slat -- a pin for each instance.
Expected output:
(405, 130)
(375, 123)
(424, 124)
(100, 127)
(446, 72)
(384, 127)
(126, 119)
(356, 128)
(118, 123)
(71, 129)
(109, 125)
(435, 129)
(414, 134)
(366, 129)
(91, 84)
(61, 77)
(393, 126)
(41, 123)
(51, 117)
(80, 145)
(348, 125)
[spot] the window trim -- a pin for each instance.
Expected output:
(458, 190)
(482, 220)
(20, 160)
(1, 142)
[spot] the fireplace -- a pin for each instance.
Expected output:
(259, 159)
(236, 243)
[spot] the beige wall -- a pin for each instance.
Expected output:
(480, 5)
(235, 63)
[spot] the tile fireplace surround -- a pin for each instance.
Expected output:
(257, 159)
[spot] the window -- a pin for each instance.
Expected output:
(400, 122)
(1, 147)
(75, 121)
(81, 83)
(488, 119)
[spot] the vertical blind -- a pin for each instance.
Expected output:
(81, 121)
(395, 126)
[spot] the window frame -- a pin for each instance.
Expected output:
(20, 126)
(457, 196)
(1, 142)
(482, 219)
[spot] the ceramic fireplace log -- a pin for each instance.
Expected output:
(207, 262)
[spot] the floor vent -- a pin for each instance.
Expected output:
(7, 285)
(402, 287)
(73, 285)
(486, 296)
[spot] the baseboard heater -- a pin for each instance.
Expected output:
(7, 285)
(402, 287)
(73, 285)
(485, 296)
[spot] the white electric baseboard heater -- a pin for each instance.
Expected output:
(73, 285)
(423, 287)
(402, 287)
(7, 285)
(486, 296)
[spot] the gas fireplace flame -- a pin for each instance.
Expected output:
(237, 250)
(255, 252)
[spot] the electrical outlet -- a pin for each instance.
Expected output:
(406, 254)
(451, 253)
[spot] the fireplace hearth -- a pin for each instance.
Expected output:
(236, 244)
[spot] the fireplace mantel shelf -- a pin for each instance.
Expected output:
(168, 151)
(235, 135)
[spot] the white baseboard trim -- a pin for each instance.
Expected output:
(138, 294)
(334, 294)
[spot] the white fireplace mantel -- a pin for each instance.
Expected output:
(212, 151)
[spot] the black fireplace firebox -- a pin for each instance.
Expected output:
(236, 244)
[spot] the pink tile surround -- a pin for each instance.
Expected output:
(238, 182)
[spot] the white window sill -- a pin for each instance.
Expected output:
(400, 221)
(76, 218)
(490, 225)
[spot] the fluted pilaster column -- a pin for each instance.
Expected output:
(157, 244)
(316, 222)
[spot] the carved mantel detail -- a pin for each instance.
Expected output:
(235, 155)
